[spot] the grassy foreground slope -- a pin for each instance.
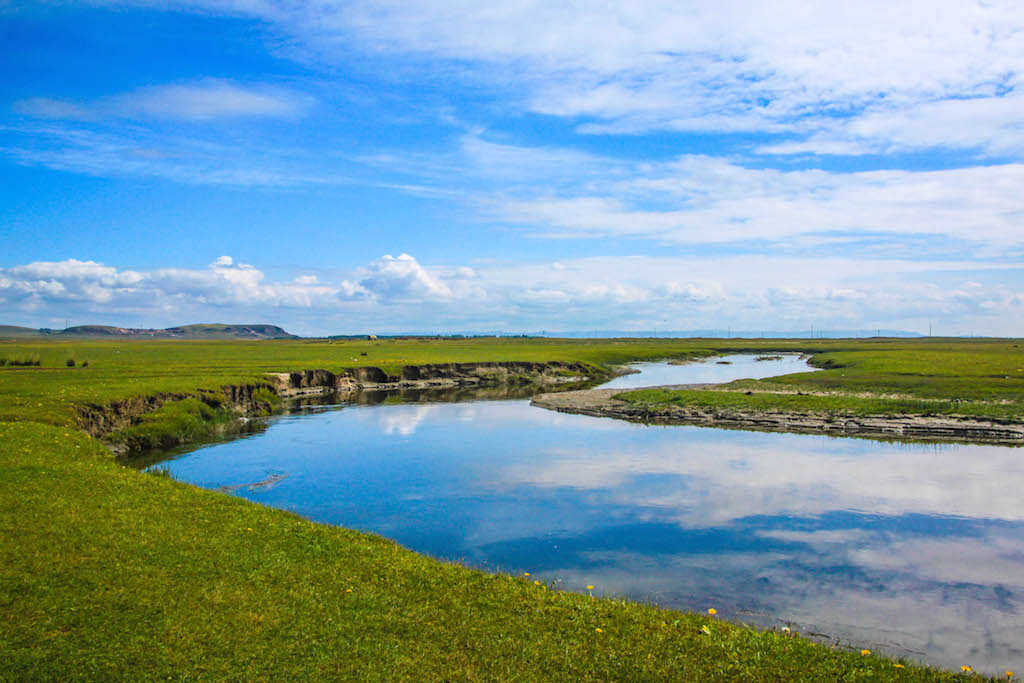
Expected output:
(111, 574)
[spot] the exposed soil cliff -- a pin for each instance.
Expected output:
(309, 382)
(250, 400)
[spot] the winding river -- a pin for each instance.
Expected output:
(911, 549)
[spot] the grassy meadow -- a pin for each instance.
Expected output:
(108, 573)
(976, 378)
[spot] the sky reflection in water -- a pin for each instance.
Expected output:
(900, 547)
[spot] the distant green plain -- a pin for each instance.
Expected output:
(982, 378)
(107, 573)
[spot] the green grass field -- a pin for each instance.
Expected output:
(983, 378)
(108, 573)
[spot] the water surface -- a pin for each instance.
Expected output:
(912, 549)
(710, 370)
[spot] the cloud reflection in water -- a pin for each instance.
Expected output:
(912, 547)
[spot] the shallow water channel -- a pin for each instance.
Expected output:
(911, 549)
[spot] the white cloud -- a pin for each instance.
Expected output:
(994, 125)
(141, 152)
(708, 65)
(49, 108)
(703, 199)
(207, 100)
(402, 278)
(773, 477)
(627, 292)
(204, 100)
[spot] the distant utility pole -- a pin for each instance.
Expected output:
(929, 329)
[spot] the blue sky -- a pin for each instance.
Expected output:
(339, 167)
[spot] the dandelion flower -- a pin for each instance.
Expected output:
(712, 611)
(899, 666)
(599, 630)
(526, 573)
(966, 669)
(590, 588)
(1009, 674)
(536, 583)
(865, 652)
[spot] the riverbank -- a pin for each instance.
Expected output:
(170, 419)
(108, 573)
(706, 406)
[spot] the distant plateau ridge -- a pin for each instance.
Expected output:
(202, 331)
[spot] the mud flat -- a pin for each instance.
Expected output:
(602, 403)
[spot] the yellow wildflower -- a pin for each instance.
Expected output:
(712, 611)
(536, 583)
(1009, 674)
(526, 573)
(966, 669)
(899, 666)
(590, 588)
(599, 630)
(865, 652)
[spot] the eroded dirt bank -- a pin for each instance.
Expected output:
(600, 403)
(438, 375)
(258, 399)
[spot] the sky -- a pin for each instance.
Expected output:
(453, 166)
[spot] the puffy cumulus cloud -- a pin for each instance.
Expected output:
(223, 283)
(67, 281)
(626, 293)
(402, 278)
(685, 293)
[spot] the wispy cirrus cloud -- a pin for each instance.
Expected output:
(992, 125)
(704, 199)
(782, 66)
(142, 152)
(174, 132)
(205, 100)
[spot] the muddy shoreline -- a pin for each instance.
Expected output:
(601, 403)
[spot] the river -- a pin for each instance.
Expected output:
(912, 549)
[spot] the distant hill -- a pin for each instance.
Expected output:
(202, 331)
(15, 331)
(208, 331)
